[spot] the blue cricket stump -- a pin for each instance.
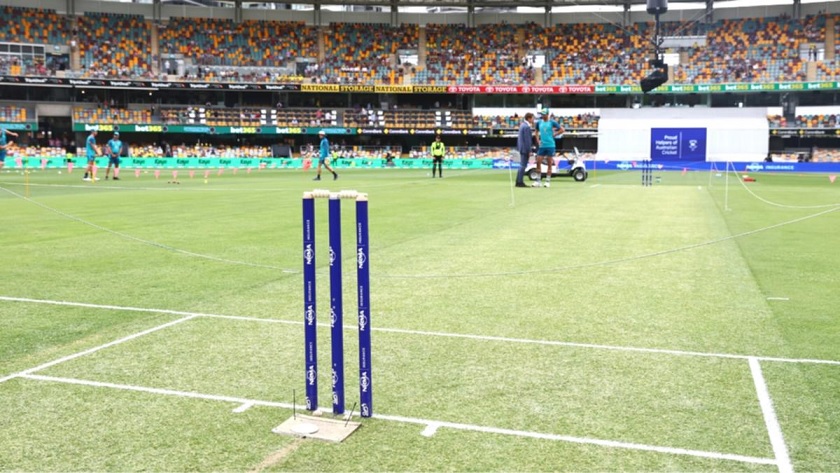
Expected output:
(309, 306)
(363, 281)
(336, 306)
(336, 300)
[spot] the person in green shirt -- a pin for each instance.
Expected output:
(438, 152)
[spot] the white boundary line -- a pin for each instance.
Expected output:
(95, 349)
(770, 419)
(489, 338)
(431, 425)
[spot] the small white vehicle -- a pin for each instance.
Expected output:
(566, 164)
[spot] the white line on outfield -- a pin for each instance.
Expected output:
(429, 423)
(95, 349)
(770, 419)
(778, 298)
(242, 408)
(488, 338)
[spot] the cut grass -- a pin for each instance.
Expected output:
(605, 262)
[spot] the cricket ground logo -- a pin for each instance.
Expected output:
(363, 321)
(365, 410)
(311, 376)
(332, 256)
(308, 254)
(364, 382)
(692, 145)
(333, 317)
(309, 315)
(361, 258)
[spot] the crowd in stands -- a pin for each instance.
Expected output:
(592, 53)
(364, 54)
(159, 150)
(108, 114)
(33, 26)
(576, 122)
(38, 152)
(805, 121)
(825, 155)
(466, 152)
(223, 42)
(486, 54)
(12, 114)
(751, 50)
(120, 45)
(313, 117)
(114, 44)
(218, 116)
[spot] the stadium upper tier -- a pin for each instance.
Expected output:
(120, 45)
(114, 44)
(208, 41)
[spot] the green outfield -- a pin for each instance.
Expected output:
(596, 326)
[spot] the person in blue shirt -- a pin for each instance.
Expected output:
(548, 131)
(114, 147)
(93, 151)
(5, 145)
(524, 143)
(323, 156)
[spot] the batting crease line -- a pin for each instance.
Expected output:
(777, 440)
(490, 338)
(424, 422)
(95, 349)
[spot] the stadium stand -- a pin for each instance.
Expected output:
(592, 53)
(825, 155)
(34, 26)
(805, 121)
(114, 45)
(222, 42)
(216, 116)
(111, 115)
(12, 114)
(408, 118)
(486, 54)
(362, 53)
(748, 50)
(586, 121)
(39, 152)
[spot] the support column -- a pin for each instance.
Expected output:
(797, 9)
(710, 12)
(625, 17)
(395, 14)
(237, 11)
(157, 11)
(547, 20)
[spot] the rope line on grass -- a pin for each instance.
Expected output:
(609, 262)
(776, 204)
(147, 242)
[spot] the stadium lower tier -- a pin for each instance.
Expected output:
(197, 168)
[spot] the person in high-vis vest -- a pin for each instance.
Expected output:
(438, 151)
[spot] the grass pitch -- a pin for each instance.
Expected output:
(587, 327)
